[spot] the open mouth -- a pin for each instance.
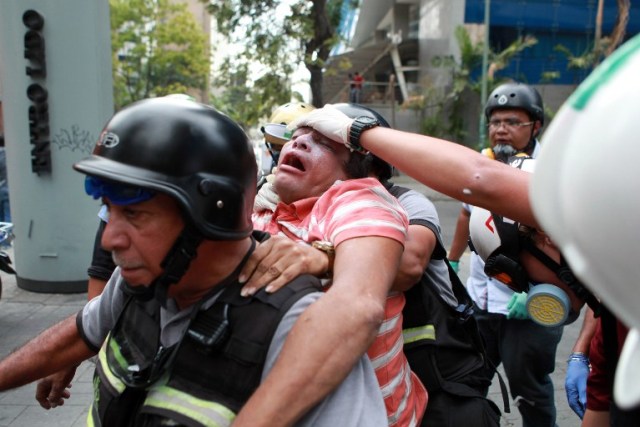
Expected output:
(293, 161)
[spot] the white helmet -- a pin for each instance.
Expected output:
(586, 193)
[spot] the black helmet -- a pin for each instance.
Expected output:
(188, 151)
(383, 170)
(516, 95)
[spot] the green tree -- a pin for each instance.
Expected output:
(602, 46)
(158, 49)
(278, 36)
(443, 110)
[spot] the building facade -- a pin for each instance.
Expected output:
(402, 47)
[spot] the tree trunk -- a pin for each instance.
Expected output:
(316, 83)
(317, 50)
(620, 28)
(598, 30)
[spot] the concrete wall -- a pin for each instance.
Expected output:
(52, 119)
(438, 21)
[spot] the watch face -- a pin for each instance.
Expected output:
(367, 120)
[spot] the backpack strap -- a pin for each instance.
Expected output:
(463, 311)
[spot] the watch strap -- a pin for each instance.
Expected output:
(359, 125)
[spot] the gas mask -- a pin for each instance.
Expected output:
(499, 242)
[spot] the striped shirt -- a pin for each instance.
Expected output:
(350, 209)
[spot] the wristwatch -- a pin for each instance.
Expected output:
(359, 125)
(329, 249)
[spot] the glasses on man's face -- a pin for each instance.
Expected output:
(509, 124)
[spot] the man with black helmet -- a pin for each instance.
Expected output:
(515, 116)
(179, 343)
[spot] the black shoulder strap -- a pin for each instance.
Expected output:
(564, 273)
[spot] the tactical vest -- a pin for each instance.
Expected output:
(203, 380)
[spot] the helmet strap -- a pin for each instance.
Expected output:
(177, 262)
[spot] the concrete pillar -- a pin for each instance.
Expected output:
(438, 21)
(55, 66)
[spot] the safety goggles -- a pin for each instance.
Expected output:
(117, 193)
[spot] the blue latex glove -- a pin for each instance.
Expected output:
(517, 306)
(455, 265)
(575, 382)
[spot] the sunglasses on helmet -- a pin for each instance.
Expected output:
(117, 193)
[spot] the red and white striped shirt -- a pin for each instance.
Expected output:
(350, 209)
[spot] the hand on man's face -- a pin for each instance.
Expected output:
(309, 164)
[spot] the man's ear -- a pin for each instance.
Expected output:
(537, 126)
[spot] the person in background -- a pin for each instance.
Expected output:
(355, 95)
(274, 132)
(515, 116)
(591, 369)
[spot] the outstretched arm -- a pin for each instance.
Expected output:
(330, 336)
(455, 170)
(449, 168)
(56, 348)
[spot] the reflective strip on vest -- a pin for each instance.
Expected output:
(419, 333)
(92, 417)
(205, 412)
(113, 380)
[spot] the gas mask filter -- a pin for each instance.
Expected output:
(497, 240)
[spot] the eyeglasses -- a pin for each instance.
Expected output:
(509, 124)
(117, 193)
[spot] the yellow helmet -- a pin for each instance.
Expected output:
(274, 131)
